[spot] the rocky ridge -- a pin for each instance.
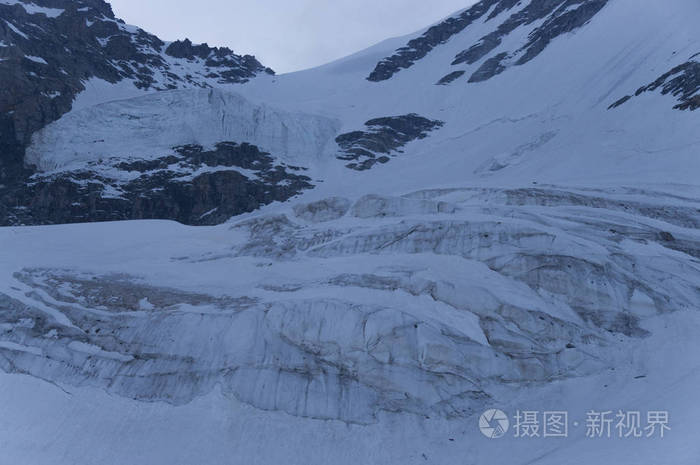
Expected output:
(545, 20)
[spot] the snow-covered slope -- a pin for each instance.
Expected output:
(411, 251)
(544, 120)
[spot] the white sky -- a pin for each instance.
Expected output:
(286, 35)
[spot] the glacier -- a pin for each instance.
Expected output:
(420, 309)
(537, 249)
(176, 118)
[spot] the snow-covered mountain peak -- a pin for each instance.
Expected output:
(53, 50)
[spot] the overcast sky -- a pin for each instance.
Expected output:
(286, 35)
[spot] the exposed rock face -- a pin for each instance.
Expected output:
(382, 138)
(450, 77)
(48, 48)
(683, 82)
(407, 56)
(192, 186)
(558, 16)
(490, 68)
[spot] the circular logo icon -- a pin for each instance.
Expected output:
(494, 423)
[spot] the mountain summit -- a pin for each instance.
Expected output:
(50, 50)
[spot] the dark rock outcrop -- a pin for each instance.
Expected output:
(562, 16)
(382, 138)
(193, 186)
(683, 82)
(450, 77)
(490, 68)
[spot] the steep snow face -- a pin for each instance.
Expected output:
(152, 125)
(546, 120)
